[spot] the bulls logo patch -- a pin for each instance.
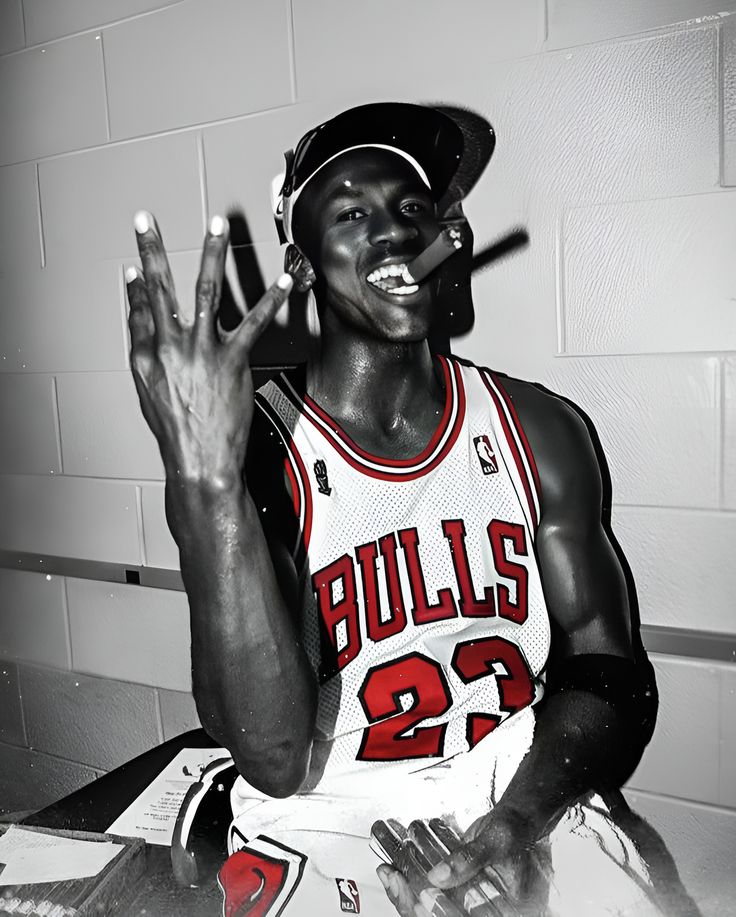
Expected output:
(259, 878)
(349, 896)
(486, 455)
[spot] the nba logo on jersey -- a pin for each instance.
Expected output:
(349, 897)
(486, 457)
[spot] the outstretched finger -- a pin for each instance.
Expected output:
(157, 273)
(268, 305)
(461, 865)
(140, 319)
(209, 281)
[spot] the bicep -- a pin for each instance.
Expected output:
(582, 578)
(584, 588)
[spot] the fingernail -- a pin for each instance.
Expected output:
(383, 880)
(285, 282)
(217, 226)
(143, 221)
(130, 274)
(440, 873)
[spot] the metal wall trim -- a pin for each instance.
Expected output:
(131, 574)
(671, 641)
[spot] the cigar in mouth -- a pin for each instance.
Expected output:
(446, 244)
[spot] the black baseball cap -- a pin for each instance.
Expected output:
(431, 141)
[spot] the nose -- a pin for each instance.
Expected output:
(389, 229)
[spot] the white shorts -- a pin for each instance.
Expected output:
(309, 854)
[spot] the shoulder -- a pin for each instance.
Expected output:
(564, 444)
(557, 429)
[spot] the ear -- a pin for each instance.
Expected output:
(300, 267)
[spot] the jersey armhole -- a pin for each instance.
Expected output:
(517, 441)
(271, 484)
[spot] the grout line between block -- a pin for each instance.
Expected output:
(93, 28)
(141, 527)
(18, 670)
(156, 135)
(720, 79)
(67, 626)
(635, 355)
(560, 287)
(23, 22)
(674, 508)
(159, 716)
(57, 424)
(545, 22)
(720, 419)
(54, 757)
(292, 48)
(123, 300)
(39, 215)
(101, 38)
(202, 171)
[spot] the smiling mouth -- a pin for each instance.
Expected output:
(392, 278)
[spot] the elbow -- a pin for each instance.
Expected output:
(279, 772)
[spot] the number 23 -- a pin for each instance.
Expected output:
(395, 734)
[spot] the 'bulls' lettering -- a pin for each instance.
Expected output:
(341, 625)
(423, 612)
(378, 629)
(500, 532)
(470, 606)
(344, 610)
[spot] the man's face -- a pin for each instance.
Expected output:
(365, 214)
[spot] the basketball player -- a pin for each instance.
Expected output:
(403, 601)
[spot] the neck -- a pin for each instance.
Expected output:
(359, 379)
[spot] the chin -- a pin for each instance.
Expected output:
(404, 332)
(408, 322)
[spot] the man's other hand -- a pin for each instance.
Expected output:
(492, 871)
(499, 848)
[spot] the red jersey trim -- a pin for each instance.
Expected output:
(511, 429)
(386, 469)
(297, 474)
(522, 436)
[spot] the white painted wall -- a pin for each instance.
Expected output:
(616, 151)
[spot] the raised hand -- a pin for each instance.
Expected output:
(194, 381)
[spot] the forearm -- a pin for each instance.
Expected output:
(252, 682)
(581, 743)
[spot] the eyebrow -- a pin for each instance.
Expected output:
(403, 187)
(342, 191)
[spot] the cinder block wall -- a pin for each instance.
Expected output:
(616, 151)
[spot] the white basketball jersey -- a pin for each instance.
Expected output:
(422, 608)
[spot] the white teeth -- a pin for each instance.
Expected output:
(388, 270)
(399, 291)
